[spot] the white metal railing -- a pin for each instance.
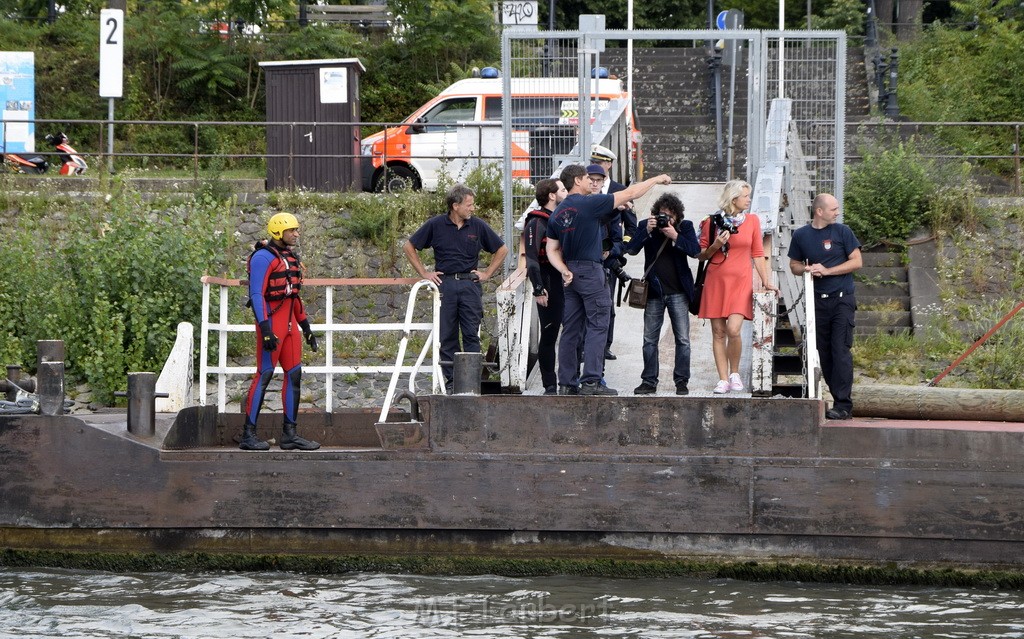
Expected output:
(223, 327)
(813, 365)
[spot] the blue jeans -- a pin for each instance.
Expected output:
(654, 316)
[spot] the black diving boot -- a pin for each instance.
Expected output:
(249, 439)
(291, 441)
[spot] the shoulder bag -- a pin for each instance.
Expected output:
(638, 288)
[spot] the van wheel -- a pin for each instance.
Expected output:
(395, 179)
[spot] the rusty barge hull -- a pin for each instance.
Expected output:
(515, 476)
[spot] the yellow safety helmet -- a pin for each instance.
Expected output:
(280, 223)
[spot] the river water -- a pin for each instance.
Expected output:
(77, 603)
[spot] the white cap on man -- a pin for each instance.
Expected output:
(600, 153)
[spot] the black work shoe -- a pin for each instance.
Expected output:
(568, 390)
(291, 441)
(837, 413)
(595, 388)
(550, 390)
(681, 389)
(609, 355)
(645, 388)
(249, 439)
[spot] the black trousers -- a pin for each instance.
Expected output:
(834, 321)
(550, 317)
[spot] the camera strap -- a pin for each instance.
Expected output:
(655, 260)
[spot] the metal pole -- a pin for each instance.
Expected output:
(732, 106)
(629, 83)
(782, 48)
(1016, 159)
(110, 136)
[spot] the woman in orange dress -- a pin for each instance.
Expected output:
(728, 296)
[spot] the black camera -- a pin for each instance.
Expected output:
(723, 223)
(615, 267)
(662, 220)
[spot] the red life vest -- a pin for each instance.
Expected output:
(542, 247)
(285, 279)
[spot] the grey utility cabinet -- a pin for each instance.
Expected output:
(313, 124)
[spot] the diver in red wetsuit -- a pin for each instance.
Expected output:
(275, 279)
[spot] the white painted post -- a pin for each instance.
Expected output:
(176, 377)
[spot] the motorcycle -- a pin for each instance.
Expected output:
(26, 164)
(71, 162)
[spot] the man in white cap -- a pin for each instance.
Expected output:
(602, 156)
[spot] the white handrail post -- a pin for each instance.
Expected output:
(222, 348)
(329, 352)
(204, 344)
(811, 341)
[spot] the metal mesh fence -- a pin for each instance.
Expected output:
(813, 76)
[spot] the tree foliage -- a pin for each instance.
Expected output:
(957, 75)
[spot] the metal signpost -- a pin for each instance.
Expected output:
(111, 68)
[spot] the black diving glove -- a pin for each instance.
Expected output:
(269, 339)
(307, 332)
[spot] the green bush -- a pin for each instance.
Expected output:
(112, 280)
(895, 190)
(886, 195)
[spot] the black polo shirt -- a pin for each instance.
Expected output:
(456, 250)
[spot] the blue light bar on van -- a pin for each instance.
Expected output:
(489, 72)
(599, 72)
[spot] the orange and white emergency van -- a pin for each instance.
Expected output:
(461, 127)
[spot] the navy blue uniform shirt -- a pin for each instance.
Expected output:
(578, 225)
(456, 250)
(830, 246)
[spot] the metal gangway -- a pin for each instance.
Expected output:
(223, 326)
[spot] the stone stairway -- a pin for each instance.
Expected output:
(883, 294)
(673, 111)
(858, 98)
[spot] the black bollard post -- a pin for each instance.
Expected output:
(50, 376)
(49, 350)
(141, 404)
(880, 70)
(892, 107)
(466, 373)
(14, 377)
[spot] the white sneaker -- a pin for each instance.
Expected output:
(735, 384)
(722, 387)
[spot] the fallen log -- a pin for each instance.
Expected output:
(928, 402)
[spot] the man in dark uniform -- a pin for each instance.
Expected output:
(457, 238)
(602, 156)
(547, 282)
(574, 249)
(830, 252)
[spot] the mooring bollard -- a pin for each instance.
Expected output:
(466, 373)
(50, 377)
(141, 403)
(49, 350)
(11, 383)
